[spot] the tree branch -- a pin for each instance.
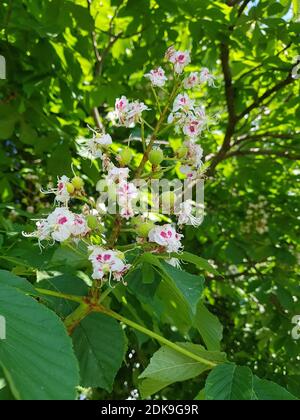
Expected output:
(230, 101)
(289, 79)
(243, 7)
(258, 152)
(251, 138)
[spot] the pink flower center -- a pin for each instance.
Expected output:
(60, 186)
(181, 58)
(107, 257)
(62, 220)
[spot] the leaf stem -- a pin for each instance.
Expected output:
(154, 335)
(47, 292)
(77, 316)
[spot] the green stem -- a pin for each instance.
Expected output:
(156, 336)
(47, 292)
(78, 315)
(105, 294)
(156, 99)
(157, 129)
(148, 125)
(143, 135)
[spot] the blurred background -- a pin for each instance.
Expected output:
(67, 61)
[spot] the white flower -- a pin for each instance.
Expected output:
(186, 216)
(127, 212)
(170, 53)
(180, 59)
(127, 113)
(192, 128)
(157, 77)
(79, 226)
(206, 76)
(42, 232)
(96, 145)
(62, 194)
(191, 81)
(61, 191)
(61, 221)
(126, 192)
(134, 113)
(167, 237)
(108, 263)
(195, 153)
(121, 104)
(116, 174)
(188, 171)
(183, 102)
(195, 122)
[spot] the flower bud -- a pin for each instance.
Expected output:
(70, 188)
(92, 221)
(156, 156)
(182, 152)
(144, 228)
(125, 156)
(77, 183)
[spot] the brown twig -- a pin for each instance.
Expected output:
(259, 152)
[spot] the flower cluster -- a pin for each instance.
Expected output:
(61, 225)
(100, 231)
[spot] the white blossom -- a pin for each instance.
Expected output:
(167, 237)
(157, 77)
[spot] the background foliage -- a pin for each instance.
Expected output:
(67, 61)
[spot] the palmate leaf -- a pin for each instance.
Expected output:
(10, 279)
(37, 356)
(229, 382)
(168, 366)
(232, 382)
(100, 345)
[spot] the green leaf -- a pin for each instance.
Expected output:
(99, 344)
(67, 283)
(209, 327)
(37, 356)
(197, 261)
(168, 366)
(10, 279)
(200, 396)
(189, 285)
(229, 382)
(266, 391)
